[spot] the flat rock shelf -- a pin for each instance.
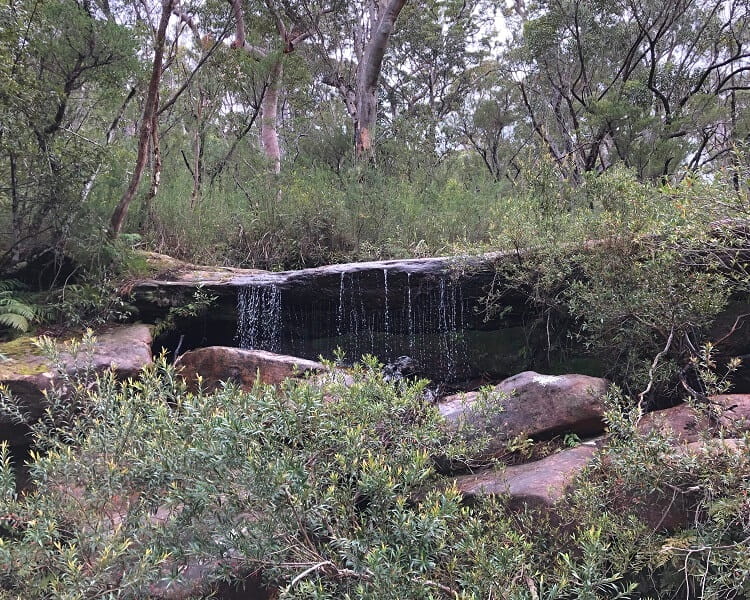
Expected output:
(428, 309)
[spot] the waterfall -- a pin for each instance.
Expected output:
(386, 315)
(362, 313)
(409, 320)
(259, 320)
(340, 311)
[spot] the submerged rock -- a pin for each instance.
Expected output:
(528, 404)
(27, 372)
(217, 364)
(402, 367)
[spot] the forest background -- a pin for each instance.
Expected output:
(288, 134)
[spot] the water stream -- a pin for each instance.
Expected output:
(259, 318)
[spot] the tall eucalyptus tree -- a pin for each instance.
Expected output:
(353, 57)
(653, 84)
(291, 25)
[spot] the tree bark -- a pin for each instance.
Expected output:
(148, 120)
(148, 203)
(368, 74)
(198, 138)
(361, 101)
(269, 133)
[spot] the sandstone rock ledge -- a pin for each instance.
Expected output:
(27, 373)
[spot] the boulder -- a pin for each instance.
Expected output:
(717, 447)
(687, 425)
(679, 422)
(217, 364)
(736, 410)
(27, 372)
(541, 483)
(528, 404)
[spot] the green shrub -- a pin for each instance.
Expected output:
(329, 491)
(278, 478)
(646, 277)
(94, 302)
(197, 306)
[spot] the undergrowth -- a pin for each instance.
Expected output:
(640, 285)
(311, 216)
(330, 491)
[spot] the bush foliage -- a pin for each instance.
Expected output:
(643, 277)
(330, 491)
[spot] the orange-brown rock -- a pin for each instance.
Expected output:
(728, 412)
(540, 483)
(217, 364)
(529, 404)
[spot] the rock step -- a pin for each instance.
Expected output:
(539, 483)
(217, 364)
(28, 373)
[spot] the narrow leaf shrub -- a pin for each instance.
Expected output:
(329, 491)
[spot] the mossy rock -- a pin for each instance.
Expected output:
(22, 356)
(27, 372)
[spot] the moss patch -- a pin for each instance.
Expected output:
(22, 357)
(21, 347)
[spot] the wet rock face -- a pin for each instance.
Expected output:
(217, 364)
(426, 309)
(27, 373)
(386, 314)
(529, 404)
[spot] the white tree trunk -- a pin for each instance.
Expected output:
(269, 132)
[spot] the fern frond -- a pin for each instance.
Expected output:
(8, 285)
(14, 321)
(11, 305)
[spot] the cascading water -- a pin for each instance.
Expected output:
(387, 316)
(259, 318)
(409, 321)
(386, 312)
